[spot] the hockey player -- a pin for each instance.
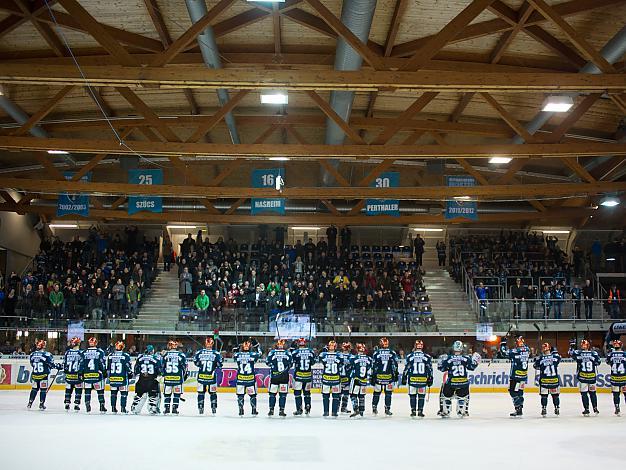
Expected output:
(331, 361)
(174, 376)
(208, 360)
(617, 360)
(418, 374)
(147, 370)
(587, 362)
(457, 382)
(518, 376)
(345, 374)
(41, 361)
(384, 374)
(120, 373)
(73, 369)
(360, 372)
(547, 365)
(279, 361)
(303, 360)
(94, 373)
(247, 356)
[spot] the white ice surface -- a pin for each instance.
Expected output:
(55, 439)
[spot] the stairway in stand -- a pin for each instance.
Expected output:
(449, 302)
(160, 310)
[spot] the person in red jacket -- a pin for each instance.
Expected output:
(615, 300)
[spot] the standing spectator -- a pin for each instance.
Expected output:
(185, 291)
(286, 300)
(202, 304)
(418, 249)
(167, 252)
(133, 296)
(546, 295)
(331, 234)
(73, 300)
(588, 295)
(40, 302)
(577, 257)
(26, 300)
(118, 292)
(280, 236)
(96, 305)
(441, 253)
(346, 238)
(10, 302)
(56, 302)
(482, 294)
(577, 295)
(615, 300)
(559, 300)
(518, 291)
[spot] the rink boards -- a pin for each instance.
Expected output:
(490, 377)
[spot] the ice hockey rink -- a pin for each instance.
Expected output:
(54, 439)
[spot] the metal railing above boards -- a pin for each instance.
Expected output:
(548, 313)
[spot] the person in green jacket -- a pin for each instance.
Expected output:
(133, 296)
(57, 302)
(202, 304)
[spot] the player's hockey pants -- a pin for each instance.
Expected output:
(300, 389)
(462, 395)
(168, 391)
(202, 389)
(41, 386)
(516, 390)
(123, 394)
(378, 389)
(417, 397)
(587, 393)
(78, 392)
(99, 387)
(556, 398)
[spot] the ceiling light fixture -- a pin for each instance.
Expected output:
(500, 160)
(426, 229)
(558, 104)
(462, 198)
(182, 227)
(554, 232)
(305, 228)
(63, 225)
(609, 201)
(279, 159)
(276, 97)
(57, 152)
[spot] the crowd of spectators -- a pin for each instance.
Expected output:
(102, 278)
(316, 278)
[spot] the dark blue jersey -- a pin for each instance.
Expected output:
(207, 361)
(245, 361)
(148, 367)
(385, 367)
(331, 362)
(587, 363)
(361, 368)
(41, 362)
(457, 367)
(519, 358)
(303, 360)
(617, 361)
(345, 371)
(418, 369)
(547, 366)
(119, 368)
(174, 367)
(279, 362)
(94, 365)
(73, 366)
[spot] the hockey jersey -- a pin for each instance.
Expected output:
(207, 361)
(331, 362)
(245, 361)
(119, 368)
(361, 368)
(148, 367)
(457, 367)
(174, 367)
(41, 362)
(547, 366)
(385, 366)
(303, 360)
(94, 365)
(73, 366)
(345, 371)
(617, 361)
(519, 358)
(418, 369)
(587, 363)
(279, 362)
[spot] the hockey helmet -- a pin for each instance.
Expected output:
(40, 343)
(332, 345)
(149, 349)
(172, 344)
(419, 344)
(457, 347)
(246, 345)
(75, 341)
(545, 348)
(346, 346)
(209, 342)
(360, 348)
(92, 342)
(617, 344)
(585, 345)
(280, 344)
(301, 342)
(520, 341)
(384, 342)
(119, 346)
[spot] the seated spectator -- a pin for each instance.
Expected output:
(341, 278)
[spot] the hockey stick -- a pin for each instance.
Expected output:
(52, 381)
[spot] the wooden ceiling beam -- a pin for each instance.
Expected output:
(472, 171)
(198, 76)
(335, 172)
(509, 119)
(394, 27)
(394, 127)
(209, 123)
(97, 159)
(44, 110)
(330, 112)
(490, 192)
(301, 219)
(191, 34)
(551, 42)
(515, 167)
(591, 149)
(507, 38)
(499, 25)
(572, 118)
(100, 34)
(579, 169)
(581, 43)
(342, 30)
(443, 37)
(20, 13)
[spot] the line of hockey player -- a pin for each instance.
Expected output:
(345, 376)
